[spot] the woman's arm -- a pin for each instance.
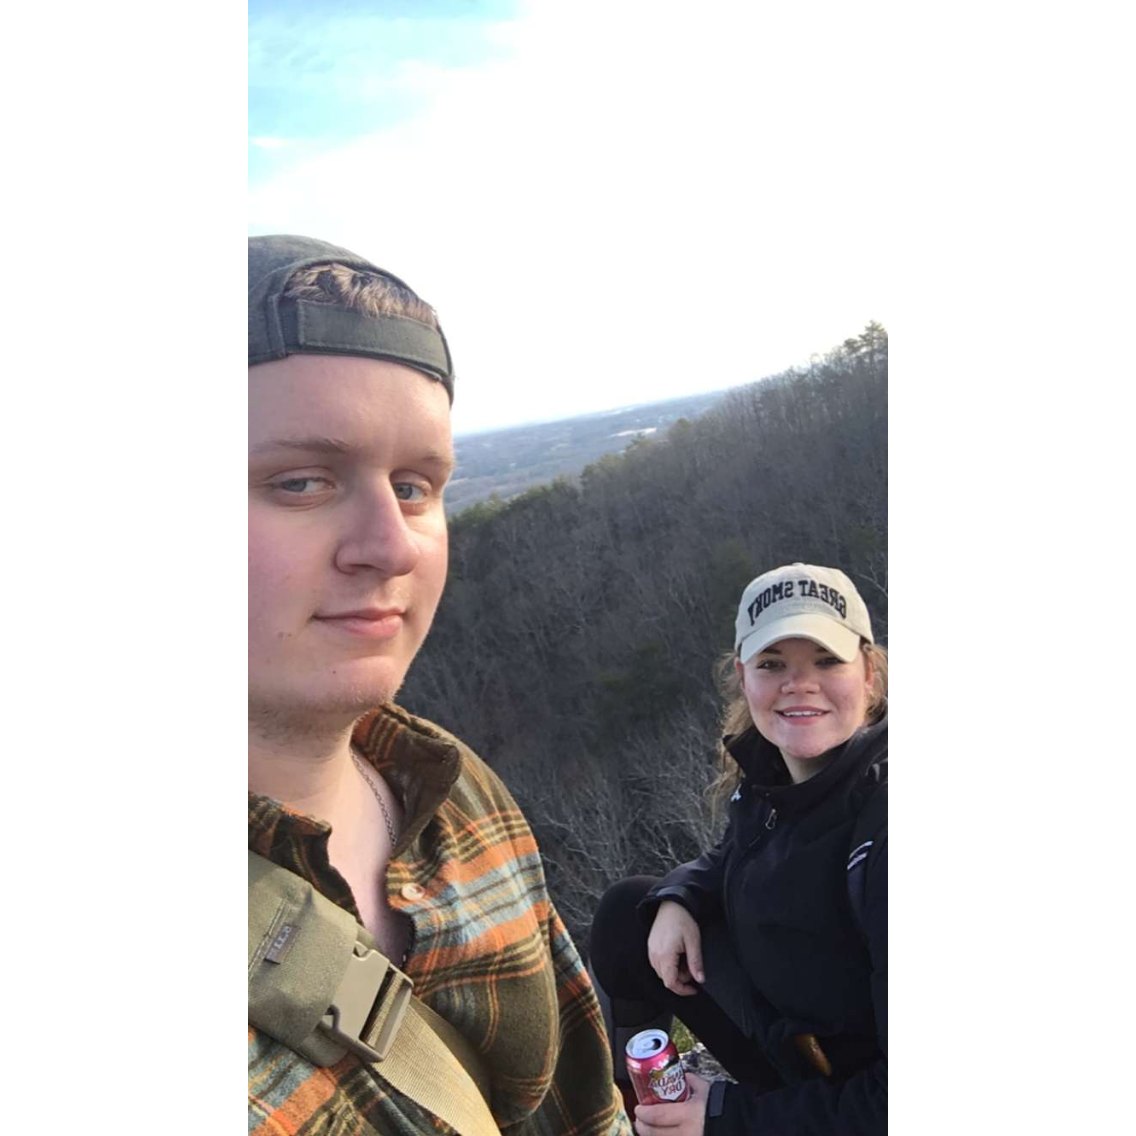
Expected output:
(674, 949)
(696, 886)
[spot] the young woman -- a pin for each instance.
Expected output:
(772, 947)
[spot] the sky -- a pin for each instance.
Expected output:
(609, 202)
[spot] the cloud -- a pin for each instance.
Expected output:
(683, 202)
(341, 71)
(269, 143)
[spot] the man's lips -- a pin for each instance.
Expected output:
(367, 623)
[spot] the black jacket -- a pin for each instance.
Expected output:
(779, 881)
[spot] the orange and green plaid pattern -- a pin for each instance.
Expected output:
(489, 953)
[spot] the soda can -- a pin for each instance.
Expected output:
(656, 1069)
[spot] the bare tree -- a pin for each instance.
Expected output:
(575, 644)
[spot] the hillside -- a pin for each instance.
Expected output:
(576, 644)
(507, 462)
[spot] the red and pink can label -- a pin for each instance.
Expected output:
(656, 1068)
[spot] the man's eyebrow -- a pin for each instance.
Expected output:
(314, 444)
(319, 444)
(445, 459)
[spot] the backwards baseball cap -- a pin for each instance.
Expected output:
(806, 602)
(279, 327)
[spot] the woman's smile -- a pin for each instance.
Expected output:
(805, 700)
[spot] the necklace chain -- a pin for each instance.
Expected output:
(378, 796)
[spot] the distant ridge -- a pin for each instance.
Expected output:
(507, 462)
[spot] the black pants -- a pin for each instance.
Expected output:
(722, 1015)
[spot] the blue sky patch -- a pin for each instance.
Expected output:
(320, 76)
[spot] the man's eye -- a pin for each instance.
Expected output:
(301, 486)
(409, 491)
(829, 661)
(768, 664)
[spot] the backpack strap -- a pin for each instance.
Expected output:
(319, 985)
(869, 832)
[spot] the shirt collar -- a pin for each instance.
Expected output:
(419, 761)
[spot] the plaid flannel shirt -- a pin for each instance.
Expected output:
(488, 952)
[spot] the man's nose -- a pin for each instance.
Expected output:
(379, 537)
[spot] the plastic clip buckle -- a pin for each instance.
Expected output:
(372, 998)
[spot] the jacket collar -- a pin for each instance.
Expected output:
(863, 754)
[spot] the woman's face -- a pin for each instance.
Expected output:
(805, 701)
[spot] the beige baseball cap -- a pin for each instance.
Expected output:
(806, 602)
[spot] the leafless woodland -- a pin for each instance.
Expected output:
(575, 645)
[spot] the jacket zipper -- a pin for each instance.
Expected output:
(770, 824)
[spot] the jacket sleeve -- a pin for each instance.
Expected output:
(856, 1106)
(697, 886)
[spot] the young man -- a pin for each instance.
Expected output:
(385, 814)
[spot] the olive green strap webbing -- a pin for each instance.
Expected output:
(318, 984)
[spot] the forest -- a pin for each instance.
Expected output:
(576, 645)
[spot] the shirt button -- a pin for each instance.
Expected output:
(412, 892)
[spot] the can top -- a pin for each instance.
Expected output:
(647, 1043)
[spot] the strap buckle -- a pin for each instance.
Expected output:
(372, 998)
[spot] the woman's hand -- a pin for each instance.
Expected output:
(686, 1118)
(674, 948)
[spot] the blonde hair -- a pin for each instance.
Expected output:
(736, 717)
(358, 289)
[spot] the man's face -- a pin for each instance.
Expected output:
(347, 538)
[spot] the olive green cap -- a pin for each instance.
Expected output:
(278, 328)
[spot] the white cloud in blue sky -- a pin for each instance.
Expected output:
(608, 202)
(323, 74)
